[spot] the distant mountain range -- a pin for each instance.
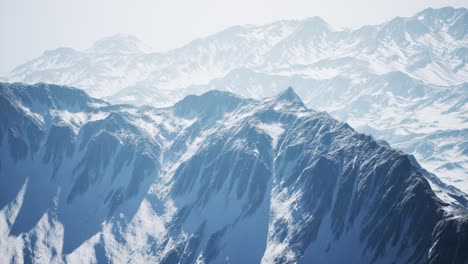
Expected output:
(430, 46)
(216, 178)
(404, 81)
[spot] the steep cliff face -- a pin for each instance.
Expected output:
(216, 178)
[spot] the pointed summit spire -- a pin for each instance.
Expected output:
(288, 95)
(287, 102)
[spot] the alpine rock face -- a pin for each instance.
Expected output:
(403, 81)
(428, 121)
(83, 180)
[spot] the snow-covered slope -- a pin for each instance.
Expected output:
(403, 81)
(216, 178)
(426, 120)
(430, 46)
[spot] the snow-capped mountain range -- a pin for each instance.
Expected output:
(403, 81)
(216, 178)
(431, 46)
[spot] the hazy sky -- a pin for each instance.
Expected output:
(28, 27)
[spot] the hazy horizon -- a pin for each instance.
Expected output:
(39, 27)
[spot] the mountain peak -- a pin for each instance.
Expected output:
(120, 43)
(210, 104)
(443, 14)
(315, 25)
(287, 101)
(442, 11)
(288, 95)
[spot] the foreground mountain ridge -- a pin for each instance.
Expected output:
(212, 176)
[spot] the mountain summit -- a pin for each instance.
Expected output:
(119, 43)
(289, 95)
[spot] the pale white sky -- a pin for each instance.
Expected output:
(28, 27)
